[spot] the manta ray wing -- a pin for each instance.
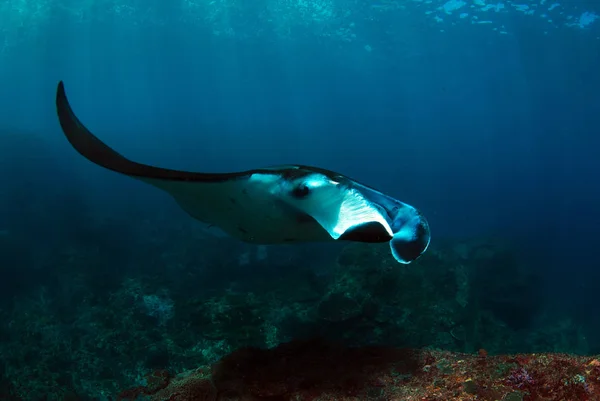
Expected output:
(238, 203)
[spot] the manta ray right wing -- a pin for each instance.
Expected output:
(234, 202)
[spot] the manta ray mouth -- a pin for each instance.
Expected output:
(411, 241)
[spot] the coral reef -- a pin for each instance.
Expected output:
(320, 371)
(93, 317)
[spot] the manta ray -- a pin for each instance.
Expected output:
(271, 205)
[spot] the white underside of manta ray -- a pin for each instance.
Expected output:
(275, 205)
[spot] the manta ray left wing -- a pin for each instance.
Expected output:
(96, 151)
(238, 203)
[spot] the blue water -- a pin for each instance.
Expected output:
(485, 117)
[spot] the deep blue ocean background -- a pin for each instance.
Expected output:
(491, 129)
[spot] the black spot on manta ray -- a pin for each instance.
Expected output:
(242, 230)
(232, 201)
(301, 191)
